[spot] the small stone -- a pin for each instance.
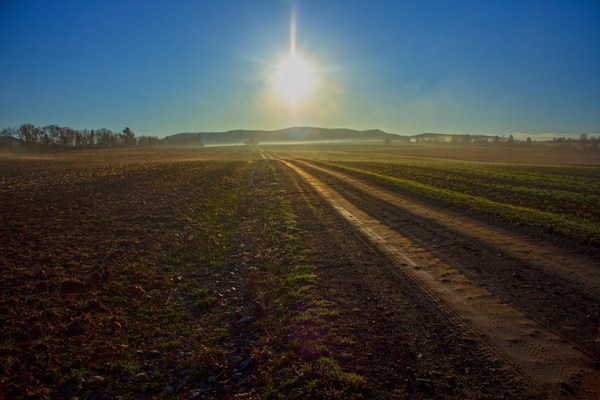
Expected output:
(236, 377)
(195, 394)
(153, 354)
(246, 320)
(94, 379)
(141, 377)
(246, 363)
(168, 390)
(183, 373)
(590, 317)
(426, 386)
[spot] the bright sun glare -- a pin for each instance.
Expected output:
(295, 79)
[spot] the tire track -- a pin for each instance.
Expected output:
(558, 301)
(381, 349)
(574, 268)
(551, 365)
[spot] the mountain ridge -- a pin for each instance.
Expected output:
(311, 134)
(292, 134)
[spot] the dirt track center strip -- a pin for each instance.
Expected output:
(576, 269)
(539, 355)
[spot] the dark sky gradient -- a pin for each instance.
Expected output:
(163, 67)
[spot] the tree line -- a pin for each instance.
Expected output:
(54, 136)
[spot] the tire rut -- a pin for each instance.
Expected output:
(402, 343)
(541, 356)
(554, 300)
(572, 267)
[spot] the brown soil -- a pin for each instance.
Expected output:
(150, 274)
(88, 286)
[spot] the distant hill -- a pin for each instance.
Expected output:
(313, 134)
(296, 134)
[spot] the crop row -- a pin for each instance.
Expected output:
(562, 210)
(563, 200)
(577, 178)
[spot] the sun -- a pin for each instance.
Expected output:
(295, 79)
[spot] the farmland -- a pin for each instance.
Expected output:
(241, 272)
(563, 199)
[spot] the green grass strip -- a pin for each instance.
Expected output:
(303, 365)
(576, 228)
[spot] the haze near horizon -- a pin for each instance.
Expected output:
(403, 67)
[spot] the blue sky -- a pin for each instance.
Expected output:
(162, 67)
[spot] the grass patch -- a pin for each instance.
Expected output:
(302, 321)
(203, 300)
(569, 226)
(323, 378)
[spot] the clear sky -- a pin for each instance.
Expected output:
(162, 67)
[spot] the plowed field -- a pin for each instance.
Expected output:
(266, 273)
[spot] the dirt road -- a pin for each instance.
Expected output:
(519, 300)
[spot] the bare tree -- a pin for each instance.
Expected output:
(26, 133)
(10, 132)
